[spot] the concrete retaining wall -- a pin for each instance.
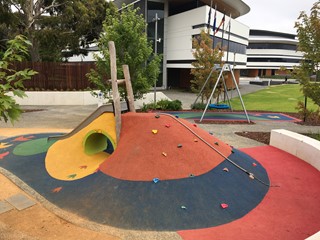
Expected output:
(75, 98)
(303, 147)
(57, 98)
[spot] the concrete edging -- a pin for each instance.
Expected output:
(301, 146)
(315, 236)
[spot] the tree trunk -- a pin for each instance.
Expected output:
(31, 13)
(34, 49)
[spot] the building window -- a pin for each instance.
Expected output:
(233, 46)
(283, 60)
(272, 46)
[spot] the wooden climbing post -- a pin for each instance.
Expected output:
(115, 92)
(129, 88)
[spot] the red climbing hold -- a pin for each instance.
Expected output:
(224, 205)
(56, 190)
(2, 155)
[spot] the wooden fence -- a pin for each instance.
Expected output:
(57, 76)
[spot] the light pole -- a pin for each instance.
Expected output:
(156, 40)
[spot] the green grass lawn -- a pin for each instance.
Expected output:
(278, 98)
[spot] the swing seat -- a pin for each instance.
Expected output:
(219, 106)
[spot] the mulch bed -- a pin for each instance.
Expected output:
(32, 110)
(263, 137)
(222, 122)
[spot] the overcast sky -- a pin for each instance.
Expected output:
(275, 15)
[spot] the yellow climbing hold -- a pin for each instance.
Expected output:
(4, 145)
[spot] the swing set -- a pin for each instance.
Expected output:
(224, 68)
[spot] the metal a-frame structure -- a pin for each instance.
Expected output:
(225, 68)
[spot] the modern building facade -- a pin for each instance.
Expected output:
(268, 52)
(179, 21)
(251, 53)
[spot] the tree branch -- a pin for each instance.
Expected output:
(18, 8)
(53, 5)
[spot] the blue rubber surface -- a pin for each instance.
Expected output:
(190, 203)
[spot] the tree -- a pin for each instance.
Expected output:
(55, 27)
(206, 57)
(12, 80)
(128, 31)
(308, 29)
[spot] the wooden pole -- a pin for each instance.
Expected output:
(129, 88)
(115, 92)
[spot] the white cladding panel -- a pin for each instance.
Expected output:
(274, 53)
(180, 30)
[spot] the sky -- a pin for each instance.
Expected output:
(275, 15)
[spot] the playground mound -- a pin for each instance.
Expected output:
(162, 146)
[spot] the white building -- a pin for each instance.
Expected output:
(180, 21)
(268, 51)
(251, 52)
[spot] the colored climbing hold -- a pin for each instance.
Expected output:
(179, 146)
(156, 180)
(2, 155)
(225, 169)
(72, 175)
(154, 131)
(195, 125)
(177, 116)
(22, 139)
(216, 143)
(195, 140)
(232, 151)
(4, 145)
(254, 164)
(164, 154)
(56, 190)
(224, 205)
(183, 207)
(211, 133)
(191, 175)
(167, 125)
(157, 116)
(83, 167)
(251, 176)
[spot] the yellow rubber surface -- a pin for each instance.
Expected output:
(67, 160)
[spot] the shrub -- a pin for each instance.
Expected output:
(308, 115)
(198, 106)
(163, 104)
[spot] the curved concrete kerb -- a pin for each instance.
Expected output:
(301, 146)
